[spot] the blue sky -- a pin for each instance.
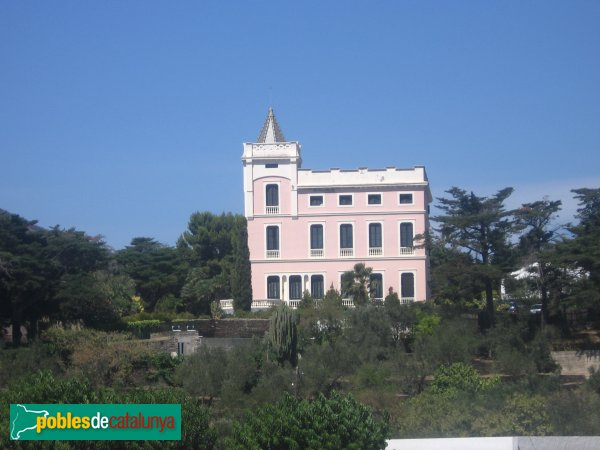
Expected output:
(122, 118)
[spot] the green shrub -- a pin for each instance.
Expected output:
(338, 422)
(143, 328)
(460, 377)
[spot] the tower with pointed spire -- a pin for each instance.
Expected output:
(271, 157)
(307, 227)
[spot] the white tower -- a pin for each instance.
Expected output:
(271, 156)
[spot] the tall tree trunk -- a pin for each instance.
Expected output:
(544, 315)
(489, 299)
(489, 289)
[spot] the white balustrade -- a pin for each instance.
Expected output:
(293, 303)
(345, 252)
(407, 250)
(375, 251)
(226, 305)
(348, 302)
(316, 253)
(272, 210)
(272, 254)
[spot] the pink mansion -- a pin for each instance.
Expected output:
(307, 227)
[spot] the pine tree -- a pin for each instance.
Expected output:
(481, 227)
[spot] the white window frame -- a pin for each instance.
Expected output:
(281, 294)
(380, 197)
(289, 284)
(382, 273)
(339, 233)
(345, 206)
(267, 183)
(414, 272)
(414, 224)
(325, 289)
(316, 195)
(412, 193)
(310, 250)
(382, 237)
(266, 225)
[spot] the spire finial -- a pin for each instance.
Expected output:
(271, 132)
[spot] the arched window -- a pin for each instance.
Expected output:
(295, 287)
(273, 291)
(407, 286)
(377, 285)
(316, 286)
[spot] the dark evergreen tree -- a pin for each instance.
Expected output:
(536, 243)
(158, 270)
(481, 227)
(582, 253)
(37, 264)
(241, 276)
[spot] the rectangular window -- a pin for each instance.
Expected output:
(377, 286)
(271, 165)
(345, 200)
(316, 286)
(316, 200)
(272, 195)
(346, 239)
(374, 235)
(272, 238)
(272, 241)
(316, 237)
(273, 287)
(406, 199)
(406, 235)
(295, 287)
(374, 199)
(407, 287)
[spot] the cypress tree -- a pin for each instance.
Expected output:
(241, 276)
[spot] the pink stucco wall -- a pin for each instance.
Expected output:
(260, 189)
(294, 236)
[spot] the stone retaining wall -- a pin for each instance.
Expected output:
(577, 363)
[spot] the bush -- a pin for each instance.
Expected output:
(338, 422)
(143, 328)
(460, 377)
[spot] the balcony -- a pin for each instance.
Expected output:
(405, 300)
(375, 251)
(272, 254)
(406, 251)
(346, 252)
(348, 302)
(272, 210)
(293, 303)
(227, 306)
(317, 253)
